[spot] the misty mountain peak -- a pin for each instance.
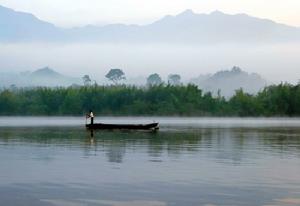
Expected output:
(236, 69)
(217, 12)
(228, 81)
(186, 13)
(45, 72)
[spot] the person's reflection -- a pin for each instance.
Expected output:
(92, 139)
(90, 145)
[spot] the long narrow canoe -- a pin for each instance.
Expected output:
(152, 126)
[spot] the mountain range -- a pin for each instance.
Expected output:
(185, 28)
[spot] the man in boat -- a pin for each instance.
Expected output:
(91, 115)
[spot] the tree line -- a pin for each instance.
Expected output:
(185, 100)
(116, 75)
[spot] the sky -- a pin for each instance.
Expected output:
(70, 13)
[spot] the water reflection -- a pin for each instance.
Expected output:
(207, 166)
(228, 145)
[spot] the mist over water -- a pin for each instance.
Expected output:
(166, 123)
(274, 62)
(250, 162)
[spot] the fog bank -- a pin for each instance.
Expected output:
(274, 62)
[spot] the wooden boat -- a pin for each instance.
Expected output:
(152, 126)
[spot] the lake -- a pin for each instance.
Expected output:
(55, 161)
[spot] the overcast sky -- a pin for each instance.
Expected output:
(70, 13)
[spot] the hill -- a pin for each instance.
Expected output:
(40, 77)
(46, 72)
(228, 81)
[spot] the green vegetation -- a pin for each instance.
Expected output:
(276, 100)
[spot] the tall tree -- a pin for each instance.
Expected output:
(174, 79)
(154, 79)
(115, 75)
(86, 80)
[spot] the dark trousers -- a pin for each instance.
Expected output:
(92, 120)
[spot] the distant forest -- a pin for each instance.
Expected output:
(189, 100)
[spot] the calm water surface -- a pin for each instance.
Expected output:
(189, 162)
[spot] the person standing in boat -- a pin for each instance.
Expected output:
(91, 115)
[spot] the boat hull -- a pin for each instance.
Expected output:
(152, 126)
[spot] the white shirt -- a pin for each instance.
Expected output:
(91, 115)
